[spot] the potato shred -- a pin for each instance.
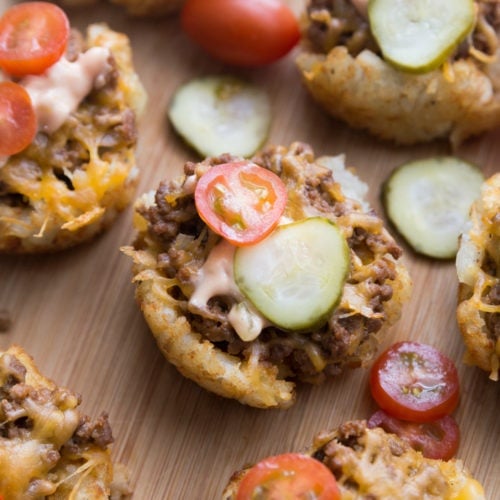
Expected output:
(173, 244)
(344, 71)
(478, 267)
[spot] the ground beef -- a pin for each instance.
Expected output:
(173, 217)
(491, 13)
(64, 151)
(494, 295)
(167, 221)
(493, 319)
(338, 22)
(365, 243)
(15, 374)
(120, 127)
(14, 391)
(97, 432)
(216, 330)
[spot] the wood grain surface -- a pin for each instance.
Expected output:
(74, 311)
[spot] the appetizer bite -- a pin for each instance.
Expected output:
(68, 107)
(405, 451)
(355, 462)
(478, 268)
(48, 449)
(409, 72)
(255, 274)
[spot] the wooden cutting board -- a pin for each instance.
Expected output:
(74, 312)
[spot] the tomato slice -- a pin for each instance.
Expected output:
(33, 36)
(414, 381)
(241, 32)
(240, 201)
(438, 439)
(17, 118)
(287, 477)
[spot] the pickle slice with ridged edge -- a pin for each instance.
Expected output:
(428, 201)
(221, 114)
(418, 35)
(295, 276)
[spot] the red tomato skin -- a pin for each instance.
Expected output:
(438, 439)
(427, 391)
(33, 36)
(244, 33)
(288, 476)
(239, 215)
(17, 118)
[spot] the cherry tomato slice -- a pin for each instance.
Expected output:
(438, 439)
(241, 32)
(240, 201)
(33, 36)
(287, 477)
(415, 382)
(17, 118)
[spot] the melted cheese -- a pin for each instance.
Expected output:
(370, 466)
(471, 490)
(59, 91)
(25, 458)
(20, 462)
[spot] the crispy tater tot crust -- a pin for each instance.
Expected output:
(352, 82)
(478, 266)
(48, 449)
(371, 463)
(263, 372)
(71, 184)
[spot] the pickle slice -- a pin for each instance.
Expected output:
(295, 276)
(428, 201)
(221, 114)
(419, 35)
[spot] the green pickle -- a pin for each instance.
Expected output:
(428, 201)
(419, 35)
(221, 114)
(295, 276)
